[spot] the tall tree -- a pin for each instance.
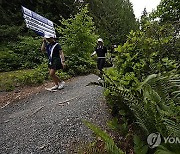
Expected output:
(10, 10)
(168, 11)
(114, 19)
(144, 18)
(12, 23)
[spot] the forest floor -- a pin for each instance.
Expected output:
(33, 120)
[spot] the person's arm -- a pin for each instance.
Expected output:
(43, 46)
(93, 53)
(61, 53)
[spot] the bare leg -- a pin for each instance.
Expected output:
(54, 77)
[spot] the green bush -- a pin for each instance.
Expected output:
(23, 54)
(79, 65)
(153, 50)
(78, 42)
(145, 82)
(37, 76)
(29, 50)
(10, 80)
(9, 60)
(9, 32)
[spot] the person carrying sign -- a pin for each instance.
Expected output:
(56, 59)
(101, 51)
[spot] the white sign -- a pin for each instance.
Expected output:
(38, 23)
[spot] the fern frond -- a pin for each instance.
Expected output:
(172, 126)
(109, 143)
(165, 149)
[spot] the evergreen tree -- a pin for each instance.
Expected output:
(11, 14)
(114, 19)
(168, 11)
(144, 18)
(12, 22)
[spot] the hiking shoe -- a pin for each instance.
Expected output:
(61, 85)
(54, 88)
(99, 79)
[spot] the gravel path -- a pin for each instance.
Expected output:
(50, 122)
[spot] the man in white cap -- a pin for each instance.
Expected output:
(56, 59)
(101, 51)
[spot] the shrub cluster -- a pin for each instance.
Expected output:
(143, 87)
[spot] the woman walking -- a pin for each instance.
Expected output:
(56, 59)
(101, 51)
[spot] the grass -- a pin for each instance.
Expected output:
(9, 80)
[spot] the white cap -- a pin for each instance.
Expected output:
(100, 40)
(49, 35)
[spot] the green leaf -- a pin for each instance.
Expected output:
(109, 143)
(150, 77)
(139, 147)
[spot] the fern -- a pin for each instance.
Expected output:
(172, 127)
(109, 143)
(154, 103)
(139, 147)
(172, 149)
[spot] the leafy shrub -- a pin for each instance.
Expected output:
(9, 60)
(144, 82)
(23, 54)
(9, 32)
(79, 65)
(37, 76)
(10, 80)
(78, 41)
(153, 105)
(153, 50)
(63, 75)
(29, 50)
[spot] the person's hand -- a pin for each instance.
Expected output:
(93, 53)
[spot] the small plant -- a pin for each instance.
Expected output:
(110, 146)
(139, 147)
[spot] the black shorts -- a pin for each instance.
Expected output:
(56, 64)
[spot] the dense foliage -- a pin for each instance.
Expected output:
(23, 54)
(11, 14)
(168, 11)
(114, 19)
(111, 25)
(11, 9)
(143, 87)
(78, 41)
(20, 47)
